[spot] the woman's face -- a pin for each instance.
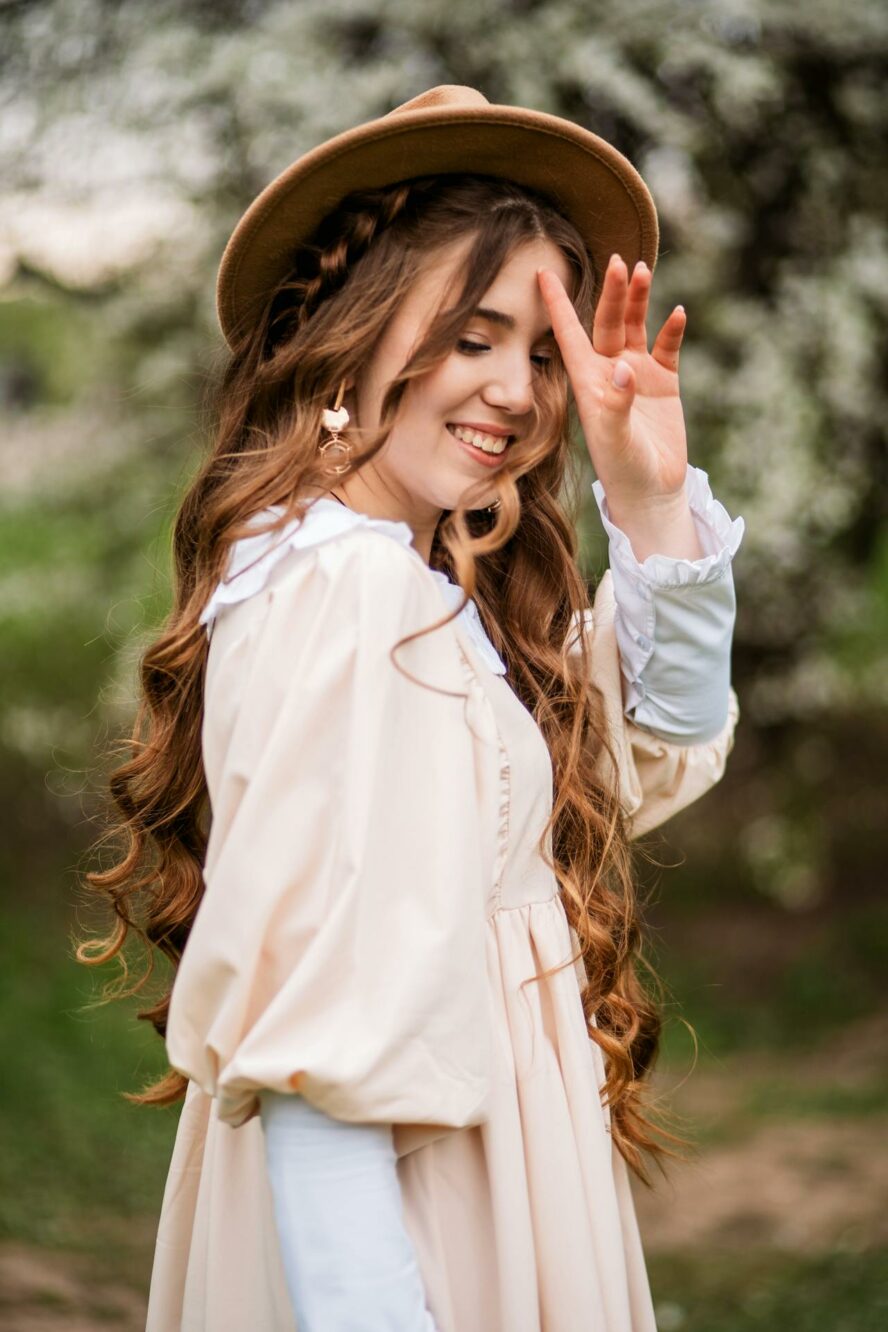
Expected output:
(488, 380)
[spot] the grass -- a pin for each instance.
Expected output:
(85, 1162)
(745, 1289)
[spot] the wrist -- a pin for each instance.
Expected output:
(658, 525)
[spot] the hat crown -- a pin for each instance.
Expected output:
(449, 129)
(445, 94)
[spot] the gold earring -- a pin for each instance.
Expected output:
(492, 508)
(335, 419)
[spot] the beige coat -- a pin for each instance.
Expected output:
(374, 898)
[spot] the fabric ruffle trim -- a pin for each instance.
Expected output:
(720, 537)
(252, 558)
(482, 722)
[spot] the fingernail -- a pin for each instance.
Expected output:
(622, 374)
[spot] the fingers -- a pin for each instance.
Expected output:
(636, 307)
(620, 390)
(608, 328)
(622, 308)
(668, 342)
(573, 342)
(619, 324)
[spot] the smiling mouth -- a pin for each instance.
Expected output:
(493, 445)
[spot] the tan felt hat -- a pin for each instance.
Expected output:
(450, 128)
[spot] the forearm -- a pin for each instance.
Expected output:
(348, 1258)
(675, 614)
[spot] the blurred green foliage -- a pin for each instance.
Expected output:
(88, 1156)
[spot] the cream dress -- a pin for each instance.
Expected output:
(375, 896)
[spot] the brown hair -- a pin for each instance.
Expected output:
(519, 565)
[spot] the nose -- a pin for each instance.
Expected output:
(510, 390)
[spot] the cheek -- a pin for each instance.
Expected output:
(448, 386)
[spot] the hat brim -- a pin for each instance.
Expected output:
(585, 176)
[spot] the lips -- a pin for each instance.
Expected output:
(497, 431)
(488, 460)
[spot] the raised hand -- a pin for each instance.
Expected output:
(635, 432)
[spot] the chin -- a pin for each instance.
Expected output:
(453, 500)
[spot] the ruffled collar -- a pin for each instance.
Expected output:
(252, 558)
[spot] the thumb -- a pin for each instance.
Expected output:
(621, 389)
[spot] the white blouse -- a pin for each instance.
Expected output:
(348, 1259)
(674, 617)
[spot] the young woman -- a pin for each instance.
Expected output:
(406, 1016)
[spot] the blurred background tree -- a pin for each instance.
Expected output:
(132, 137)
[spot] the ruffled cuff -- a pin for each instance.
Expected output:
(674, 621)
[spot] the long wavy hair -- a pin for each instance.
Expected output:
(519, 564)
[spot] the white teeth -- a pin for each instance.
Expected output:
(489, 443)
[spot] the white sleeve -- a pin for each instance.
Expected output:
(348, 1258)
(674, 622)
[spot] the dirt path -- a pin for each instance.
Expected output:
(47, 1292)
(780, 1181)
(802, 1187)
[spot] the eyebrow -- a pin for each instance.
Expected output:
(500, 317)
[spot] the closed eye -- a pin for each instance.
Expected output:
(469, 349)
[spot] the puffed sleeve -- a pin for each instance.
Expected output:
(656, 777)
(339, 947)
